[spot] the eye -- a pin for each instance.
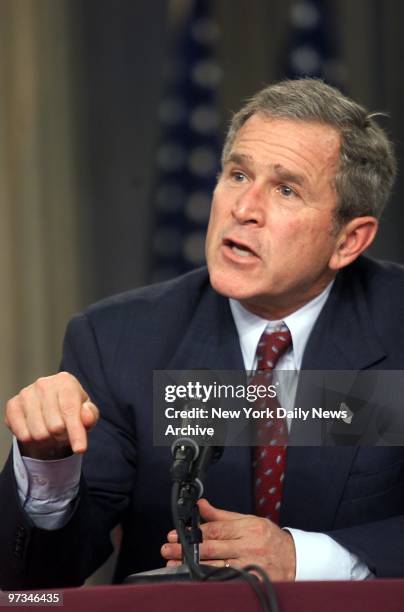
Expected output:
(238, 176)
(286, 191)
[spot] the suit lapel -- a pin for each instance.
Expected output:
(343, 338)
(211, 343)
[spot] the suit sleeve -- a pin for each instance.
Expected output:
(377, 544)
(370, 521)
(31, 557)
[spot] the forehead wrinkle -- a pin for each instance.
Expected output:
(249, 134)
(293, 156)
(281, 172)
(310, 170)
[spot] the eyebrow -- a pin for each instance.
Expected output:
(289, 177)
(238, 158)
(282, 173)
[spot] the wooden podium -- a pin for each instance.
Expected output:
(367, 596)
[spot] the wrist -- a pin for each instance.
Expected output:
(290, 566)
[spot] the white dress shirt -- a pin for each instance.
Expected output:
(318, 556)
(47, 489)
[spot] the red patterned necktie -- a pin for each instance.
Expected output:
(269, 460)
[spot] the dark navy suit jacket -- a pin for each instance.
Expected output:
(354, 494)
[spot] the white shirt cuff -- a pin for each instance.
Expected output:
(47, 488)
(319, 557)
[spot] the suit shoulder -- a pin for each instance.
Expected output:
(378, 275)
(160, 299)
(142, 326)
(379, 286)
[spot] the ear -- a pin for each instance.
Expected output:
(352, 240)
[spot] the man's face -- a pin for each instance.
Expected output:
(270, 236)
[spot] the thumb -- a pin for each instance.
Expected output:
(89, 414)
(210, 513)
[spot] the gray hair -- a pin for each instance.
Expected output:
(367, 166)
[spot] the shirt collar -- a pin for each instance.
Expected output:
(300, 323)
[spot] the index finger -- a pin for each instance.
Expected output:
(70, 403)
(224, 530)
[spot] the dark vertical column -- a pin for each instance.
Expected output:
(372, 46)
(389, 94)
(123, 46)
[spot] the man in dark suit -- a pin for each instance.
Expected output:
(306, 173)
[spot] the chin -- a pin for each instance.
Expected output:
(229, 285)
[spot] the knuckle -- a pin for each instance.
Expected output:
(43, 383)
(57, 429)
(25, 394)
(209, 549)
(13, 415)
(40, 435)
(62, 439)
(68, 406)
(259, 527)
(66, 379)
(214, 531)
(24, 437)
(12, 406)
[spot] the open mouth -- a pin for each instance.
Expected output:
(238, 248)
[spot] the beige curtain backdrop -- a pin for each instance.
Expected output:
(38, 191)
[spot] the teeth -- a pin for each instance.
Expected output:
(239, 251)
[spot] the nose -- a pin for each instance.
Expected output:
(249, 207)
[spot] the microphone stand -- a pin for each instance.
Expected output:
(187, 488)
(187, 472)
(185, 492)
(188, 518)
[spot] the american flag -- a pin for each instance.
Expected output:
(312, 48)
(187, 158)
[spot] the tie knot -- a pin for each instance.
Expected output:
(272, 345)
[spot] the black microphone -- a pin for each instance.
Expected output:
(207, 456)
(193, 456)
(184, 451)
